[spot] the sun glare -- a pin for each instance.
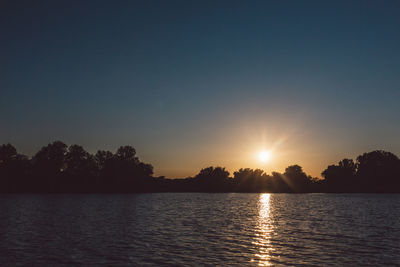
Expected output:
(264, 156)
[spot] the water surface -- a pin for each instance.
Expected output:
(200, 229)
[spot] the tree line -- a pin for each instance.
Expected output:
(57, 168)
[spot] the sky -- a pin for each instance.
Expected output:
(192, 84)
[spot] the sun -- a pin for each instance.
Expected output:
(264, 156)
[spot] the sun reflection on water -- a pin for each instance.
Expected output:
(264, 231)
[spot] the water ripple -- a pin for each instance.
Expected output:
(200, 229)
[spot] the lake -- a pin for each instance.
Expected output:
(200, 229)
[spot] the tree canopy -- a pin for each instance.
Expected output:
(58, 168)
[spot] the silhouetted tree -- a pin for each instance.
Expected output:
(103, 160)
(213, 179)
(296, 179)
(126, 154)
(123, 170)
(213, 174)
(80, 169)
(58, 168)
(7, 153)
(249, 180)
(278, 183)
(378, 171)
(341, 177)
(48, 165)
(14, 169)
(128, 166)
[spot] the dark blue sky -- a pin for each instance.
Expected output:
(191, 84)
